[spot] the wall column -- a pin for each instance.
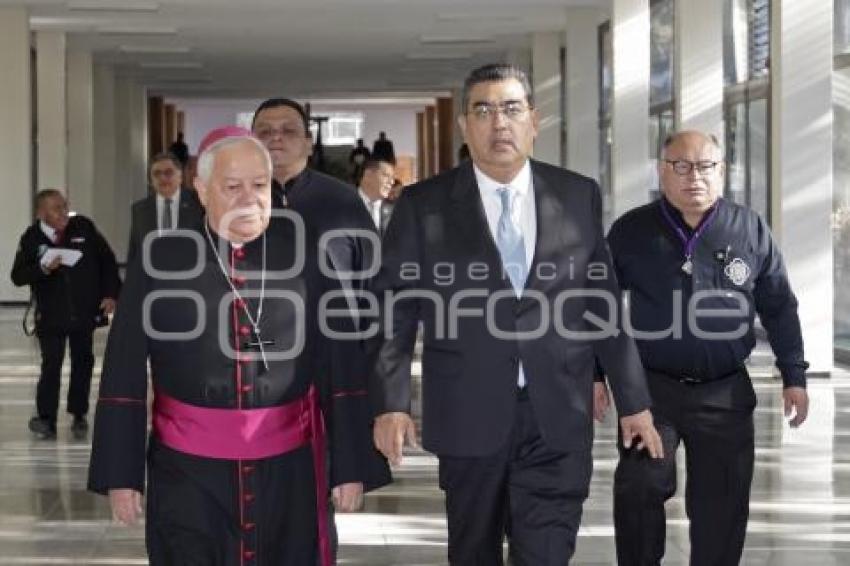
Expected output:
(80, 91)
(15, 141)
(582, 92)
(802, 175)
(699, 66)
(546, 77)
(630, 113)
(52, 119)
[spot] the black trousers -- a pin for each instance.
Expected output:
(52, 343)
(715, 423)
(525, 491)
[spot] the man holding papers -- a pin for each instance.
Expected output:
(74, 279)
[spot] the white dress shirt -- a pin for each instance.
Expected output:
(373, 206)
(175, 210)
(524, 210)
(523, 215)
(47, 231)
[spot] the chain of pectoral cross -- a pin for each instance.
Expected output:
(258, 343)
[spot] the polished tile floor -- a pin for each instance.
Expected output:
(800, 512)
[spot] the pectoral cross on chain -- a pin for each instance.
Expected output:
(258, 344)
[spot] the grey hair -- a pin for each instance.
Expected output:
(206, 160)
(711, 138)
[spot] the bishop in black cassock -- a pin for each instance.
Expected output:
(226, 317)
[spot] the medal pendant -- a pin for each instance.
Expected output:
(688, 266)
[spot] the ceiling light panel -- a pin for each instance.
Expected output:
(129, 30)
(155, 49)
(112, 6)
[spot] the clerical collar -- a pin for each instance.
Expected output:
(235, 245)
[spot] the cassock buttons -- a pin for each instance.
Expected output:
(240, 303)
(248, 527)
(249, 497)
(238, 281)
(247, 388)
(247, 469)
(248, 554)
(244, 330)
(239, 253)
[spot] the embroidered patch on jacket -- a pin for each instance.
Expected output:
(737, 271)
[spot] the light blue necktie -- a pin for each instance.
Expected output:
(510, 242)
(512, 249)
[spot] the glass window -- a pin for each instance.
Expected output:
(661, 52)
(841, 206)
(338, 128)
(661, 94)
(746, 40)
(842, 26)
(759, 37)
(746, 58)
(661, 84)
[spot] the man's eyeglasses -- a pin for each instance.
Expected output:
(682, 167)
(512, 109)
(167, 173)
(266, 133)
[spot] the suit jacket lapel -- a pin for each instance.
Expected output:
(150, 215)
(550, 215)
(471, 219)
(187, 215)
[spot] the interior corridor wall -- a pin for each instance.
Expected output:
(398, 121)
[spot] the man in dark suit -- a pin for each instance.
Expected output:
(374, 190)
(70, 298)
(504, 263)
(169, 206)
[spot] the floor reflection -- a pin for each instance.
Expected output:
(800, 511)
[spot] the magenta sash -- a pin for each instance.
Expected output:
(250, 434)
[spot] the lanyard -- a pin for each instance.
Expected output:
(688, 243)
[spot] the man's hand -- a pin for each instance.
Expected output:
(52, 266)
(348, 497)
(601, 400)
(126, 506)
(108, 305)
(796, 400)
(640, 426)
(390, 432)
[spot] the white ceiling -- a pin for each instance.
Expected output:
(258, 48)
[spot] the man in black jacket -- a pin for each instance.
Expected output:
(69, 301)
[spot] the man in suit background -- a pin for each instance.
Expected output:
(374, 189)
(69, 300)
(512, 246)
(169, 206)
